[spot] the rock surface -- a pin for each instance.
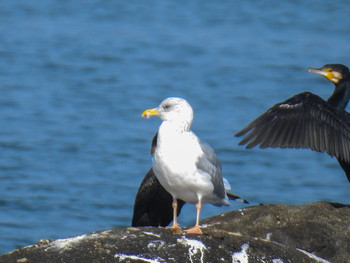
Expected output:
(316, 232)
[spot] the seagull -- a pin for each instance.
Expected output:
(153, 204)
(184, 165)
(307, 121)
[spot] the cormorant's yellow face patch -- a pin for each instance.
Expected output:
(333, 76)
(328, 74)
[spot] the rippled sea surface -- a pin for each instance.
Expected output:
(75, 77)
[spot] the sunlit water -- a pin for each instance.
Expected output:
(75, 77)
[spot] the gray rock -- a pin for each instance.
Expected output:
(317, 232)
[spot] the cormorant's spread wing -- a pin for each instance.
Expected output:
(346, 167)
(302, 121)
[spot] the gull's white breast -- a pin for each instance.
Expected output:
(174, 164)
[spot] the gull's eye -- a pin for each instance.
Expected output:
(166, 106)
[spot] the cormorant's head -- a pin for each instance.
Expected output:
(336, 73)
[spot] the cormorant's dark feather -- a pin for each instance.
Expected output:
(153, 204)
(302, 121)
(346, 168)
(154, 144)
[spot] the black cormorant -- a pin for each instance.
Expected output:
(307, 121)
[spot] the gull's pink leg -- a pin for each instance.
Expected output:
(175, 225)
(196, 229)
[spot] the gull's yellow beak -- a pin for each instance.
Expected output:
(150, 112)
(326, 72)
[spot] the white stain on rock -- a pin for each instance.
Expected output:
(268, 236)
(318, 259)
(156, 245)
(151, 234)
(195, 247)
(133, 257)
(242, 256)
(67, 242)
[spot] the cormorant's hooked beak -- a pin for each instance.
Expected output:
(150, 112)
(323, 72)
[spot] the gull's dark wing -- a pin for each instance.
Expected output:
(153, 204)
(302, 121)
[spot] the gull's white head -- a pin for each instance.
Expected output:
(175, 110)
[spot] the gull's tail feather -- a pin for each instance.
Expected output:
(232, 196)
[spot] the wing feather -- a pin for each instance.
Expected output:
(210, 164)
(302, 121)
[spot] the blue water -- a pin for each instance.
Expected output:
(76, 75)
